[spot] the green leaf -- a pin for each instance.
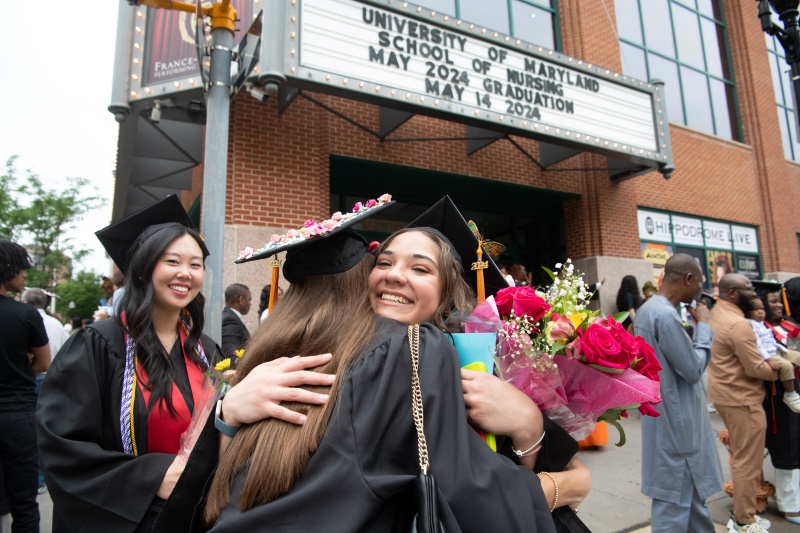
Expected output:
(606, 369)
(621, 316)
(617, 425)
(549, 273)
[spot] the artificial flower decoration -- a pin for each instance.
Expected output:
(239, 353)
(313, 229)
(223, 365)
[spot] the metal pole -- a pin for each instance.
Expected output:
(119, 105)
(215, 165)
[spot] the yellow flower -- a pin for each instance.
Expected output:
(239, 353)
(577, 319)
(223, 365)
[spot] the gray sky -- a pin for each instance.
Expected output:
(56, 69)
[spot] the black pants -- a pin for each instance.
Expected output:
(20, 460)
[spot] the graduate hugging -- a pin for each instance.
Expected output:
(351, 465)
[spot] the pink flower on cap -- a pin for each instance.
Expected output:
(246, 253)
(275, 237)
(337, 216)
(308, 223)
(329, 224)
(371, 203)
(358, 207)
(385, 198)
(292, 233)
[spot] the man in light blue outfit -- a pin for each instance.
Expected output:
(680, 463)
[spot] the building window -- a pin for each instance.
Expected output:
(685, 44)
(535, 21)
(783, 95)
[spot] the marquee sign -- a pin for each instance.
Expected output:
(399, 55)
(656, 226)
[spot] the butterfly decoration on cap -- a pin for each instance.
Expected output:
(492, 248)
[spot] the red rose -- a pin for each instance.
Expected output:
(648, 409)
(504, 299)
(599, 349)
(625, 339)
(528, 303)
(647, 363)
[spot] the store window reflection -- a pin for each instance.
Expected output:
(783, 96)
(684, 43)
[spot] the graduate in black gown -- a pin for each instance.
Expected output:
(350, 467)
(115, 403)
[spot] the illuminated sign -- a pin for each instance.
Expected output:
(395, 52)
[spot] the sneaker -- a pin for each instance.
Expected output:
(762, 522)
(755, 527)
(793, 401)
(42, 489)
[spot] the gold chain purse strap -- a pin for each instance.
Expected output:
(416, 396)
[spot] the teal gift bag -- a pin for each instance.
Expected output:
(475, 347)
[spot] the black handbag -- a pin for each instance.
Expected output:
(425, 495)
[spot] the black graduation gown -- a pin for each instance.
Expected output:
(359, 479)
(93, 484)
(783, 429)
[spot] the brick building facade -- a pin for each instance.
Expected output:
(305, 162)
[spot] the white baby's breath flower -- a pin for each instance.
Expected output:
(558, 265)
(568, 314)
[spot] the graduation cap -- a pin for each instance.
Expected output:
(123, 237)
(446, 219)
(774, 286)
(328, 247)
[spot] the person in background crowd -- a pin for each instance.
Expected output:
(75, 324)
(680, 463)
(736, 379)
(263, 304)
(23, 333)
(55, 330)
(520, 275)
(649, 290)
(783, 425)
(119, 289)
(57, 337)
(108, 288)
(234, 332)
(629, 299)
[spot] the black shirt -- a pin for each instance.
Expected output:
(23, 329)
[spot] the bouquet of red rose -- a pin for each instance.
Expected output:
(577, 366)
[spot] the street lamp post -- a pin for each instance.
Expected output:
(789, 37)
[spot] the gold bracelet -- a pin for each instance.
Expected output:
(555, 500)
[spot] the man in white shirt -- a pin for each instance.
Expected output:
(55, 329)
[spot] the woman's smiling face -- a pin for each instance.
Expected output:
(405, 283)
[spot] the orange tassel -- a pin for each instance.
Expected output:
(273, 292)
(480, 284)
(785, 302)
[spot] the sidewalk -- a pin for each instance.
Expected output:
(616, 503)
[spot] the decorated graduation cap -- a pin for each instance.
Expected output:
(327, 247)
(122, 238)
(474, 252)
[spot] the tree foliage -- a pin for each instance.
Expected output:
(39, 218)
(84, 291)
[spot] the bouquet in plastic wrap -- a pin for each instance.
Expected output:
(577, 366)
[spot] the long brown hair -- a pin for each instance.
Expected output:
(318, 314)
(457, 299)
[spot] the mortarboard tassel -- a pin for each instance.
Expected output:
(273, 291)
(480, 285)
(785, 302)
